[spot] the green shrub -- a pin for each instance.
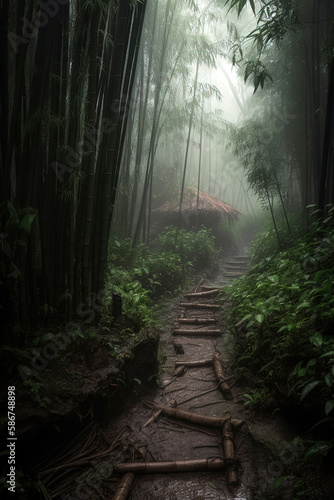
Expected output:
(286, 302)
(162, 272)
(136, 301)
(195, 247)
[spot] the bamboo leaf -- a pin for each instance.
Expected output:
(308, 388)
(329, 406)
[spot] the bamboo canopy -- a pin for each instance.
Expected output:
(198, 202)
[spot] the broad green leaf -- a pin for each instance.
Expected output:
(322, 447)
(308, 388)
(252, 4)
(317, 340)
(329, 379)
(278, 482)
(27, 221)
(329, 353)
(259, 318)
(329, 406)
(212, 485)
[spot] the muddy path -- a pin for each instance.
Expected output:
(264, 454)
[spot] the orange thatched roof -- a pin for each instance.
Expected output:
(206, 203)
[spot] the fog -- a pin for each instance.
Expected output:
(187, 95)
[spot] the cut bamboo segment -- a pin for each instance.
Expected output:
(177, 466)
(179, 371)
(228, 447)
(193, 364)
(220, 376)
(172, 403)
(197, 321)
(199, 285)
(124, 487)
(199, 305)
(207, 293)
(194, 418)
(236, 423)
(183, 331)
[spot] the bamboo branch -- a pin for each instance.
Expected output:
(193, 364)
(220, 376)
(199, 305)
(177, 466)
(172, 404)
(199, 284)
(193, 417)
(207, 293)
(197, 321)
(182, 331)
(179, 370)
(124, 487)
(228, 447)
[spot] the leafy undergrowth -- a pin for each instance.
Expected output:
(286, 305)
(141, 275)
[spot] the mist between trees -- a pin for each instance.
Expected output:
(110, 108)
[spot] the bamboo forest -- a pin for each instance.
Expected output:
(167, 249)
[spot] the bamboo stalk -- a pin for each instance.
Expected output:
(202, 280)
(197, 321)
(193, 417)
(177, 466)
(207, 293)
(172, 403)
(193, 364)
(199, 305)
(220, 376)
(124, 487)
(228, 447)
(183, 331)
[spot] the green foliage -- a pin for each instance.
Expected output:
(161, 272)
(287, 305)
(136, 302)
(195, 247)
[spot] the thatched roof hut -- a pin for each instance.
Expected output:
(201, 208)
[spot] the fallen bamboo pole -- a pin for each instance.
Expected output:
(183, 331)
(124, 487)
(177, 466)
(199, 285)
(172, 403)
(228, 447)
(193, 364)
(220, 376)
(197, 321)
(193, 417)
(199, 305)
(206, 293)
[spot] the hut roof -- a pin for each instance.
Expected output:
(206, 203)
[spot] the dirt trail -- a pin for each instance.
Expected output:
(197, 391)
(263, 446)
